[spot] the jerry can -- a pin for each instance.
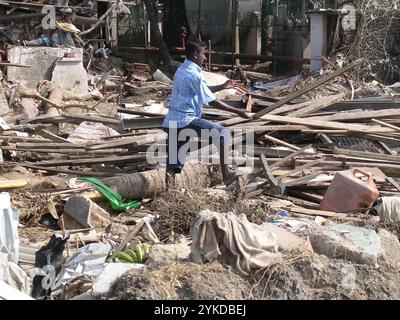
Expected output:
(348, 194)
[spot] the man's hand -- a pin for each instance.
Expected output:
(230, 84)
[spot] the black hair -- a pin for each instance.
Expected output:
(193, 46)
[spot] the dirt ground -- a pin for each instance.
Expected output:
(310, 277)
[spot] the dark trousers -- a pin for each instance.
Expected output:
(178, 139)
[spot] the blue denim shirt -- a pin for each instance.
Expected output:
(189, 94)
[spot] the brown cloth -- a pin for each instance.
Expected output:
(242, 244)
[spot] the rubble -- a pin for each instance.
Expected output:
(358, 245)
(314, 214)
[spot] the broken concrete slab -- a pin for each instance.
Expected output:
(161, 255)
(70, 74)
(40, 60)
(391, 246)
(86, 213)
(358, 245)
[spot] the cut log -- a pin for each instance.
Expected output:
(145, 185)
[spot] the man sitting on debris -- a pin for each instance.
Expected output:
(189, 94)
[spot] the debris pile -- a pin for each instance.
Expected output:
(86, 209)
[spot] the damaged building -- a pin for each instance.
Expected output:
(87, 210)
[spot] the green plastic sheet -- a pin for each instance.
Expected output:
(112, 196)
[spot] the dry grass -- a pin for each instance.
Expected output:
(32, 206)
(264, 278)
(177, 210)
(376, 40)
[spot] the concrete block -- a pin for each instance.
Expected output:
(41, 61)
(70, 74)
(391, 246)
(358, 245)
(86, 213)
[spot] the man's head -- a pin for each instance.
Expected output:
(196, 52)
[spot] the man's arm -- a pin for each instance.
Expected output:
(227, 85)
(223, 106)
(217, 88)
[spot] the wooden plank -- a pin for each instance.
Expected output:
(48, 145)
(290, 157)
(301, 168)
(12, 184)
(134, 141)
(14, 139)
(255, 127)
(103, 160)
(282, 143)
(310, 212)
(360, 115)
(139, 113)
(307, 195)
(73, 172)
(384, 124)
(249, 105)
(317, 105)
(368, 155)
(51, 136)
(366, 104)
(328, 124)
(274, 185)
(289, 108)
(70, 152)
(300, 181)
(312, 86)
(140, 224)
(393, 182)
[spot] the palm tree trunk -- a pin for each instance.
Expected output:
(152, 13)
(147, 184)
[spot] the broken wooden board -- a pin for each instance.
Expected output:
(360, 115)
(317, 105)
(290, 157)
(273, 184)
(308, 88)
(328, 124)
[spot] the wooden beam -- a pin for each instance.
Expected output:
(317, 105)
(359, 115)
(103, 160)
(274, 185)
(290, 157)
(384, 124)
(312, 86)
(73, 172)
(301, 168)
(300, 181)
(51, 136)
(368, 155)
(328, 124)
(280, 142)
(249, 105)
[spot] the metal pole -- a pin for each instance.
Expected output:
(209, 55)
